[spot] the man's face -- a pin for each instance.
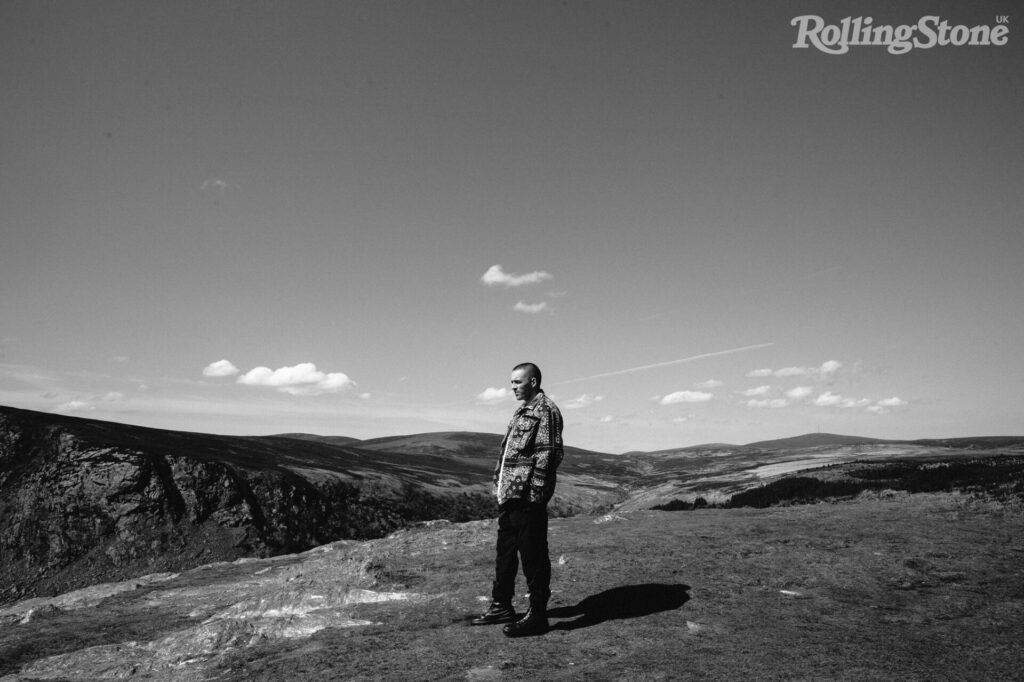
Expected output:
(523, 385)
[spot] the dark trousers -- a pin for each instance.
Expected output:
(522, 534)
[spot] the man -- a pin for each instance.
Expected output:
(524, 481)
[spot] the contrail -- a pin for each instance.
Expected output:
(670, 362)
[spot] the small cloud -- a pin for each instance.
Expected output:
(607, 418)
(825, 371)
(686, 397)
(774, 403)
(710, 383)
(582, 401)
(495, 276)
(74, 406)
(121, 358)
(830, 367)
(217, 185)
(301, 379)
(759, 390)
(221, 368)
(113, 397)
(799, 392)
(364, 396)
(531, 308)
(494, 395)
(828, 399)
(885, 406)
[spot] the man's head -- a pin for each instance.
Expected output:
(526, 381)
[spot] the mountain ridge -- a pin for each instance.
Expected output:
(84, 501)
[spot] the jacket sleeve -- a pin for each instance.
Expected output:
(547, 455)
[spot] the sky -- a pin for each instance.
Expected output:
(354, 218)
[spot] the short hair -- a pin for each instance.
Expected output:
(531, 368)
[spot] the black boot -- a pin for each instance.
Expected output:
(535, 622)
(497, 613)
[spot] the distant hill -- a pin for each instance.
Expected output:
(715, 473)
(332, 440)
(450, 442)
(486, 447)
(975, 443)
(814, 440)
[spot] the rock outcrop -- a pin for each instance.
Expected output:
(83, 501)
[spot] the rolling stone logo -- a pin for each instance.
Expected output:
(928, 32)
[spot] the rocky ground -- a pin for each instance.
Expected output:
(888, 586)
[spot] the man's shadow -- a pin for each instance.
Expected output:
(627, 601)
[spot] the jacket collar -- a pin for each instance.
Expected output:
(532, 402)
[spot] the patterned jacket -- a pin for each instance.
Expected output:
(530, 453)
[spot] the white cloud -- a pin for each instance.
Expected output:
(607, 418)
(825, 371)
(686, 397)
(759, 390)
(221, 368)
(799, 392)
(884, 406)
(710, 383)
(74, 406)
(301, 379)
(828, 399)
(364, 396)
(773, 403)
(521, 307)
(217, 185)
(112, 397)
(495, 276)
(830, 367)
(493, 395)
(582, 401)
